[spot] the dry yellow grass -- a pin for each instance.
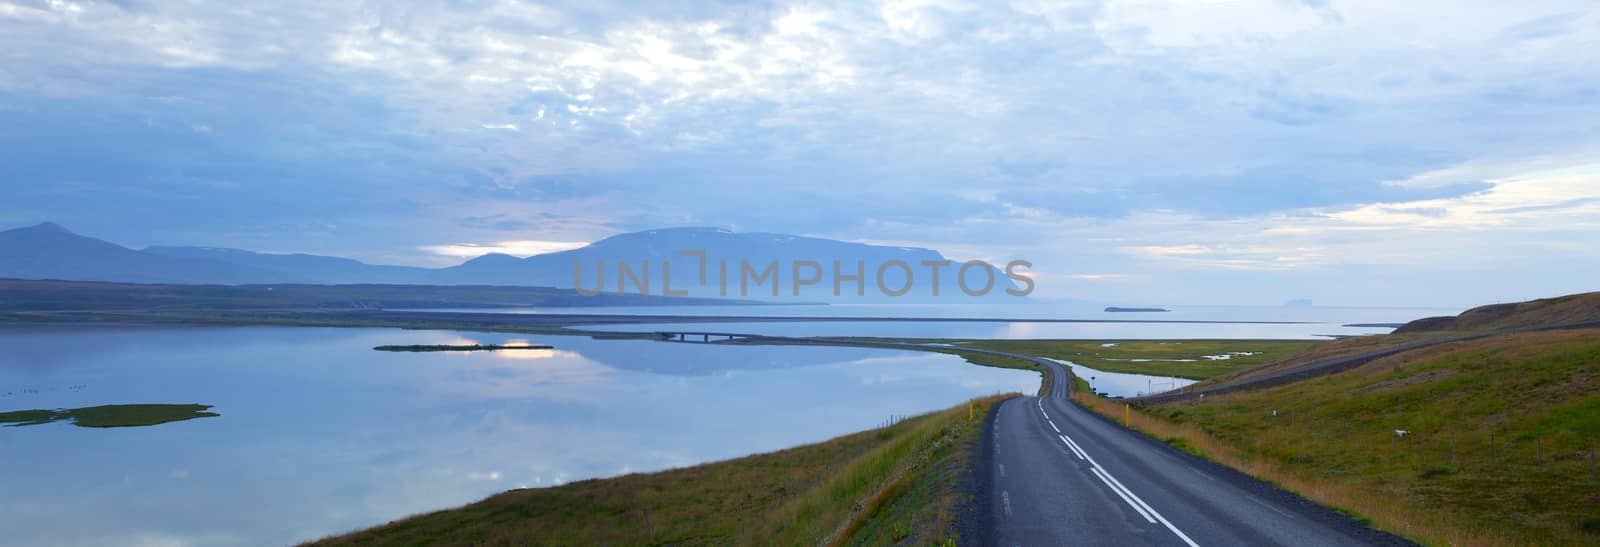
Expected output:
(1498, 449)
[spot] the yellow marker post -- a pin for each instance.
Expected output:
(969, 411)
(1124, 414)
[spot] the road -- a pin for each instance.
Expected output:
(1055, 473)
(1058, 474)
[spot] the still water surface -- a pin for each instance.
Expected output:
(1192, 322)
(319, 434)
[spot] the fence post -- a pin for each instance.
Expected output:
(1452, 448)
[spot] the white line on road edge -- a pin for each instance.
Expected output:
(1053, 425)
(1131, 498)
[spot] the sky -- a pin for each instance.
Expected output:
(1418, 153)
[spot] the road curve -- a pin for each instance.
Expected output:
(1063, 475)
(1055, 473)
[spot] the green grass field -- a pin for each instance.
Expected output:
(1180, 358)
(868, 488)
(1499, 446)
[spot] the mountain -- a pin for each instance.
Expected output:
(320, 269)
(757, 250)
(49, 251)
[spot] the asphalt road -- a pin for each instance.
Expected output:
(1061, 475)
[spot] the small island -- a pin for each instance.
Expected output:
(1116, 309)
(462, 347)
(106, 416)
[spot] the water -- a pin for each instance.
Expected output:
(319, 434)
(1122, 384)
(1012, 330)
(1275, 322)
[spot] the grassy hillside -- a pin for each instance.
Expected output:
(897, 484)
(1573, 308)
(1498, 450)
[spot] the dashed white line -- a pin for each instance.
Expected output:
(1002, 470)
(1053, 425)
(1005, 500)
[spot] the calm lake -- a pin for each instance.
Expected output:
(317, 433)
(1209, 322)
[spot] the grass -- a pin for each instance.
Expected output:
(857, 489)
(1179, 358)
(109, 415)
(1498, 450)
(456, 347)
(986, 360)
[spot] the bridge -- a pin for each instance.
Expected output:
(704, 337)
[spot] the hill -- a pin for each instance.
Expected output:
(1498, 445)
(1575, 308)
(321, 269)
(721, 247)
(55, 296)
(1469, 440)
(49, 251)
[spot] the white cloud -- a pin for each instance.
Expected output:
(520, 248)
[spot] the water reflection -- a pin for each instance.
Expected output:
(1122, 384)
(320, 434)
(1013, 330)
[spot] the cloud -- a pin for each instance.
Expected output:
(1262, 131)
(523, 248)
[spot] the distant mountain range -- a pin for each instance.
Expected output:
(50, 251)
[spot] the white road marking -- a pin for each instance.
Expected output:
(1127, 495)
(1002, 470)
(1074, 449)
(1120, 494)
(1005, 500)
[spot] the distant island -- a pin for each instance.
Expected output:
(1116, 309)
(462, 347)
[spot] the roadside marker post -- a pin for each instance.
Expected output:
(1125, 413)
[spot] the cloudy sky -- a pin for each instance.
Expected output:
(1177, 151)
